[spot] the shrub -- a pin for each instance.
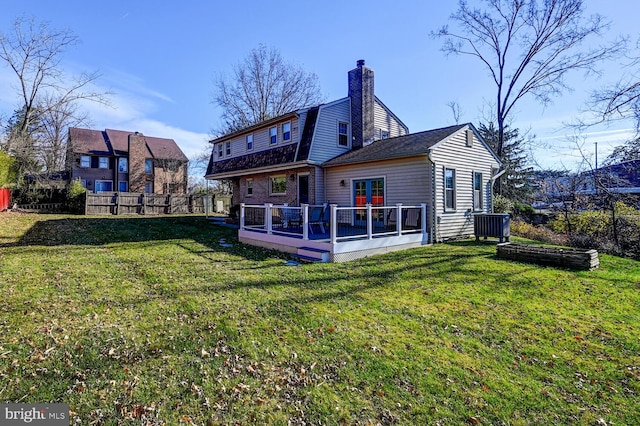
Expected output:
(502, 204)
(538, 233)
(76, 197)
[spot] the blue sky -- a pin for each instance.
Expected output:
(160, 57)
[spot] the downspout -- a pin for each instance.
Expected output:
(434, 222)
(493, 181)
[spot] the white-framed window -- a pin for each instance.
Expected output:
(148, 166)
(148, 188)
(286, 131)
(278, 185)
(123, 186)
(384, 134)
(343, 133)
(477, 191)
(249, 187)
(449, 189)
(220, 150)
(273, 135)
(250, 142)
(103, 162)
(85, 161)
(227, 148)
(123, 164)
(104, 186)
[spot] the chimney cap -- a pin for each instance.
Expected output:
(360, 62)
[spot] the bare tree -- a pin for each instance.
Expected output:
(262, 87)
(456, 111)
(33, 51)
(622, 99)
(528, 47)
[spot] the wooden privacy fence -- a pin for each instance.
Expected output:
(119, 203)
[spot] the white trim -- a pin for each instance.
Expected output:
(338, 134)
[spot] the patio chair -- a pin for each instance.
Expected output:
(412, 220)
(316, 218)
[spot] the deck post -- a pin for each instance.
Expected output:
(423, 221)
(399, 219)
(369, 222)
(268, 217)
(305, 221)
(333, 223)
(242, 216)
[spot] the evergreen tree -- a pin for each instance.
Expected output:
(515, 183)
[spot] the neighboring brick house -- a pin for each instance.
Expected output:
(116, 160)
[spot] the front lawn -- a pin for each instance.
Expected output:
(138, 320)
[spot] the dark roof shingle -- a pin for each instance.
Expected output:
(116, 142)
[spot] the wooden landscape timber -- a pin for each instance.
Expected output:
(571, 258)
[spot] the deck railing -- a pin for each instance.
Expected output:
(332, 222)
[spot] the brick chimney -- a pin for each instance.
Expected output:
(137, 157)
(362, 101)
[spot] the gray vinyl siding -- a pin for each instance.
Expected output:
(406, 180)
(325, 141)
(319, 185)
(384, 120)
(260, 139)
(455, 154)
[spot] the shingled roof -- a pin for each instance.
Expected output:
(116, 143)
(398, 147)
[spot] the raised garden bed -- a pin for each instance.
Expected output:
(572, 258)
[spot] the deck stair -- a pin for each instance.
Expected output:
(310, 254)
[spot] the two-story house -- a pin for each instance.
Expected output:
(355, 152)
(280, 160)
(116, 160)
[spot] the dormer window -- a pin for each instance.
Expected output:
(250, 142)
(228, 148)
(85, 161)
(286, 131)
(273, 135)
(220, 151)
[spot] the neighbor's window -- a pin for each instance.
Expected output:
(286, 131)
(228, 148)
(85, 161)
(449, 189)
(103, 163)
(148, 188)
(384, 134)
(123, 186)
(123, 166)
(148, 166)
(278, 185)
(249, 187)
(477, 191)
(343, 134)
(220, 151)
(273, 135)
(250, 142)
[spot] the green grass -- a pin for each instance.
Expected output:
(152, 321)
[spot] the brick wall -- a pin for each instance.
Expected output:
(137, 156)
